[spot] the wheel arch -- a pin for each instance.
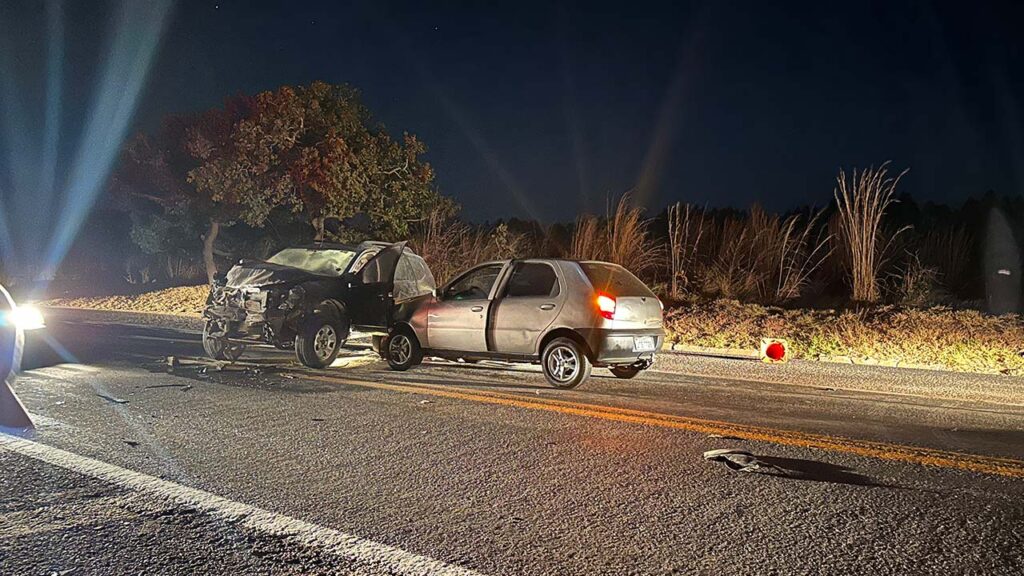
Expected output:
(336, 309)
(406, 327)
(569, 333)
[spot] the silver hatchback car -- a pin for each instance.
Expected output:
(569, 316)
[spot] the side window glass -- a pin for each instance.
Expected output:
(532, 279)
(476, 285)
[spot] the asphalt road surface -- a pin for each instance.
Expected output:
(141, 467)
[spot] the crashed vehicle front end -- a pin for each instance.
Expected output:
(310, 298)
(256, 302)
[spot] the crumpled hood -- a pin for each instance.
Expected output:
(256, 274)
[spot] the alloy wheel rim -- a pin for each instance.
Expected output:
(563, 364)
(325, 341)
(401, 348)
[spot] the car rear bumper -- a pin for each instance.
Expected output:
(618, 346)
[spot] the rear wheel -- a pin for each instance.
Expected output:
(624, 372)
(219, 347)
(317, 344)
(565, 364)
(402, 349)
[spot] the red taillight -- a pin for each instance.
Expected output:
(606, 305)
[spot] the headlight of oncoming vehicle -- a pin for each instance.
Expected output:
(26, 317)
(294, 299)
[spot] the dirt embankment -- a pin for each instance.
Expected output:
(180, 300)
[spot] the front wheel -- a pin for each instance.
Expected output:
(565, 364)
(217, 346)
(317, 344)
(403, 350)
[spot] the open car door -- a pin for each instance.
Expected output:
(372, 295)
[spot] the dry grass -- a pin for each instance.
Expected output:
(949, 251)
(450, 246)
(862, 202)
(964, 340)
(685, 230)
(180, 300)
(587, 241)
(761, 257)
(622, 237)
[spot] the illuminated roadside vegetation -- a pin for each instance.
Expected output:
(965, 340)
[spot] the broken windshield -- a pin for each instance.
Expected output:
(321, 262)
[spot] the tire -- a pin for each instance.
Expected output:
(625, 372)
(402, 350)
(218, 347)
(320, 339)
(565, 363)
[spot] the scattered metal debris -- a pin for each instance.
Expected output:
(426, 401)
(132, 443)
(186, 386)
(723, 437)
(741, 461)
(112, 399)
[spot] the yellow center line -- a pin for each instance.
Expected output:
(880, 450)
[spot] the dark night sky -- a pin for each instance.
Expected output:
(534, 109)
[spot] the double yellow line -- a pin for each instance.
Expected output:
(881, 450)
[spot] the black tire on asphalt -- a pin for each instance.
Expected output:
(402, 349)
(320, 339)
(565, 363)
(218, 347)
(624, 372)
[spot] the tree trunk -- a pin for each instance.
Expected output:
(208, 239)
(318, 227)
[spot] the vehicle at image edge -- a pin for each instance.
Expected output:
(567, 315)
(15, 322)
(311, 298)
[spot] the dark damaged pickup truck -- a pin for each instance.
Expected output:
(311, 297)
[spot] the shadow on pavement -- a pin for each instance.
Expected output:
(815, 471)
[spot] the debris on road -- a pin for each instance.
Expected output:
(112, 399)
(426, 401)
(723, 437)
(132, 443)
(741, 461)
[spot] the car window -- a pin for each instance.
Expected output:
(474, 285)
(532, 279)
(614, 279)
(363, 258)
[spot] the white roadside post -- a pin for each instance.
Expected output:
(13, 415)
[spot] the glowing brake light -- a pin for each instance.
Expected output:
(606, 305)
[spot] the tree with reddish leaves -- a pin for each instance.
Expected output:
(316, 150)
(154, 176)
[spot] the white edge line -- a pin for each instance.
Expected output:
(362, 552)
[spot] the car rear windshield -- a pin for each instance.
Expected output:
(614, 279)
(319, 262)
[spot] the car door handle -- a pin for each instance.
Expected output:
(476, 309)
(547, 306)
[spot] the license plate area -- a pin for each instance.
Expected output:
(643, 343)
